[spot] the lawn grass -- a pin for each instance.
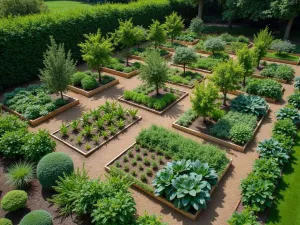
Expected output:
(59, 6)
(285, 210)
(288, 57)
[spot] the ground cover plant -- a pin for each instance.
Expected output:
(96, 127)
(205, 63)
(189, 78)
(142, 52)
(161, 157)
(278, 71)
(287, 57)
(87, 80)
(282, 49)
(120, 65)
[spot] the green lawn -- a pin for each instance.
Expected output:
(59, 6)
(283, 57)
(286, 208)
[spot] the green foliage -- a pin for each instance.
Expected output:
(147, 219)
(250, 104)
(51, 167)
(179, 147)
(206, 63)
(118, 64)
(245, 59)
(265, 87)
(184, 56)
(267, 169)
(227, 37)
(32, 33)
(186, 183)
(204, 99)
(58, 68)
(155, 70)
(214, 44)
(285, 127)
(190, 78)
(19, 175)
(282, 47)
(262, 42)
(226, 76)
(197, 26)
(278, 71)
(187, 118)
(174, 25)
(4, 221)
(77, 77)
(288, 113)
(294, 100)
(246, 216)
(89, 83)
(10, 122)
(297, 83)
(14, 200)
(21, 7)
(157, 34)
(37, 217)
(186, 36)
(229, 126)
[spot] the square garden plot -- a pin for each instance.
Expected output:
(288, 58)
(140, 53)
(146, 158)
(186, 79)
(120, 68)
(145, 97)
(96, 128)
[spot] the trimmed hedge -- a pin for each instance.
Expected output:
(21, 37)
(37, 217)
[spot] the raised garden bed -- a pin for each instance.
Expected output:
(96, 128)
(141, 162)
(35, 104)
(118, 67)
(186, 38)
(287, 59)
(189, 79)
(138, 53)
(145, 97)
(168, 46)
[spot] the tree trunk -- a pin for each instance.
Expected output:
(184, 69)
(99, 74)
(157, 90)
(200, 9)
(288, 29)
(244, 81)
(127, 62)
(172, 40)
(230, 24)
(224, 99)
(61, 95)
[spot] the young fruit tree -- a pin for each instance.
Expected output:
(214, 45)
(141, 35)
(58, 68)
(226, 77)
(184, 56)
(204, 99)
(245, 59)
(157, 33)
(197, 26)
(155, 70)
(262, 42)
(174, 25)
(96, 51)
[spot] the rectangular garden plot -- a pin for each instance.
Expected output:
(168, 46)
(142, 161)
(35, 104)
(291, 59)
(120, 68)
(145, 97)
(139, 53)
(96, 128)
(187, 79)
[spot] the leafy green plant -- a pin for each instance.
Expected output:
(294, 100)
(64, 130)
(288, 113)
(4, 221)
(297, 83)
(278, 71)
(133, 112)
(75, 125)
(147, 219)
(247, 216)
(89, 83)
(267, 168)
(282, 47)
(14, 200)
(241, 134)
(285, 127)
(77, 77)
(187, 118)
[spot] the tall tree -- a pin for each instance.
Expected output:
(96, 51)
(245, 58)
(200, 4)
(58, 69)
(226, 77)
(155, 70)
(174, 25)
(157, 33)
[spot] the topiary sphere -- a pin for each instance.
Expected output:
(52, 166)
(4, 221)
(89, 83)
(37, 217)
(14, 200)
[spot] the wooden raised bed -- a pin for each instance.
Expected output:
(163, 200)
(216, 140)
(295, 54)
(186, 42)
(262, 77)
(281, 61)
(141, 58)
(195, 69)
(41, 119)
(98, 146)
(119, 73)
(187, 86)
(94, 91)
(121, 99)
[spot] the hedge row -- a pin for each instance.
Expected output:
(24, 39)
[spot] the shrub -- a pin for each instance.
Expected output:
(214, 45)
(227, 37)
(241, 134)
(282, 47)
(77, 77)
(51, 167)
(187, 118)
(205, 63)
(294, 100)
(10, 122)
(149, 220)
(249, 104)
(267, 169)
(21, 7)
(14, 200)
(197, 25)
(37, 217)
(89, 83)
(286, 141)
(282, 72)
(20, 174)
(4, 221)
(288, 113)
(38, 145)
(285, 127)
(247, 216)
(297, 83)
(242, 39)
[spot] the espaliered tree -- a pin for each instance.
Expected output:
(245, 59)
(262, 42)
(58, 68)
(184, 56)
(174, 25)
(204, 99)
(96, 51)
(226, 77)
(155, 70)
(157, 33)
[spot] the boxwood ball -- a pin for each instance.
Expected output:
(51, 167)
(37, 217)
